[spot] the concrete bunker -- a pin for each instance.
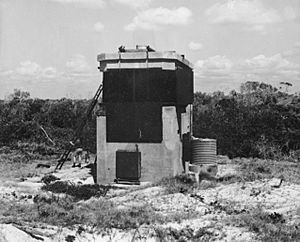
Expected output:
(145, 131)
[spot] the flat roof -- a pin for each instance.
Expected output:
(142, 59)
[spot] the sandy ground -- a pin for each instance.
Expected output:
(200, 205)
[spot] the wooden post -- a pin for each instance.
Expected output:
(187, 167)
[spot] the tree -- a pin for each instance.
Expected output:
(239, 120)
(19, 95)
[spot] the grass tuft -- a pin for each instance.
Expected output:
(177, 184)
(269, 227)
(65, 211)
(257, 169)
(79, 192)
(49, 178)
(184, 234)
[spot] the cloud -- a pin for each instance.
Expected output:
(289, 13)
(156, 18)
(83, 3)
(273, 67)
(49, 72)
(263, 63)
(3, 4)
(217, 66)
(252, 13)
(219, 71)
(195, 46)
(297, 44)
(30, 70)
(136, 4)
(77, 80)
(98, 27)
(294, 51)
(78, 66)
(29, 76)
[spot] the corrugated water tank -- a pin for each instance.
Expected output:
(204, 151)
(204, 155)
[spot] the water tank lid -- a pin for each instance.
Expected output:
(204, 139)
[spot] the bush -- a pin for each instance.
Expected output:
(185, 234)
(257, 169)
(270, 227)
(35, 148)
(268, 150)
(179, 183)
(64, 211)
(21, 117)
(238, 121)
(79, 192)
(47, 179)
(128, 218)
(259, 121)
(59, 210)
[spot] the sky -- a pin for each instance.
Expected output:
(50, 47)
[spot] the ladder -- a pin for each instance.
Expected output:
(79, 129)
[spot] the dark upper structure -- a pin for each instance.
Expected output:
(136, 84)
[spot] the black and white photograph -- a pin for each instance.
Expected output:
(149, 121)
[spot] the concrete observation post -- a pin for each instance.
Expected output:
(145, 131)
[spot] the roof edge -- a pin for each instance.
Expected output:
(144, 55)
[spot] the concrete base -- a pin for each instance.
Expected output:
(158, 160)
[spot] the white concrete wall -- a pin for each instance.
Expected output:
(157, 159)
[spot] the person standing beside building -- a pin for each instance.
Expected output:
(77, 157)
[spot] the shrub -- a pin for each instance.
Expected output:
(47, 179)
(64, 211)
(185, 234)
(268, 150)
(33, 148)
(269, 227)
(179, 183)
(79, 192)
(239, 120)
(108, 216)
(255, 169)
